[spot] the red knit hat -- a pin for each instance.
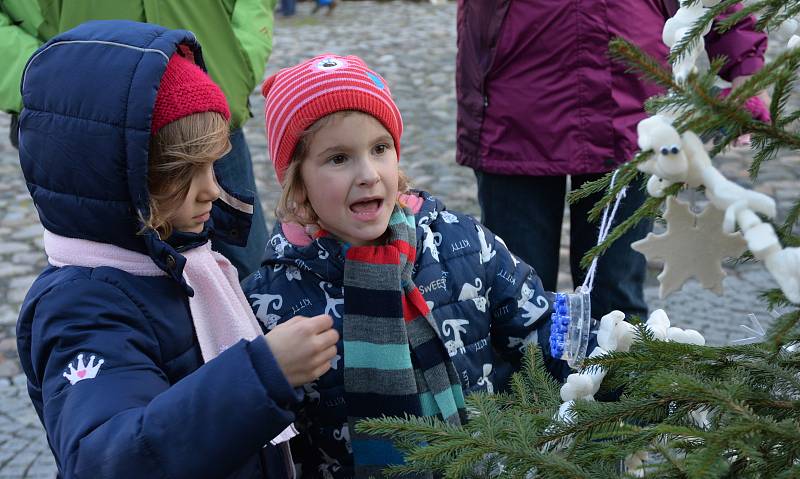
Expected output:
(297, 97)
(186, 89)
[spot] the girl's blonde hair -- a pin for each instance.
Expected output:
(293, 205)
(176, 151)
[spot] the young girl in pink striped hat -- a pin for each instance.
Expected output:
(429, 303)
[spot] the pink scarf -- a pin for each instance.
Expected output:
(220, 312)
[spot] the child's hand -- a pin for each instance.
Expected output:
(303, 347)
(758, 106)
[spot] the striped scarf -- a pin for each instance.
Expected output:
(394, 362)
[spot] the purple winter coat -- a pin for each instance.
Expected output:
(538, 95)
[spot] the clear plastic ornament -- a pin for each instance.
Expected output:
(571, 327)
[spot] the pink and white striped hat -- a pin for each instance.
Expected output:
(298, 96)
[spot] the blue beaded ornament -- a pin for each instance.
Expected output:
(570, 327)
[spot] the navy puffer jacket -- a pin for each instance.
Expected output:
(114, 368)
(487, 305)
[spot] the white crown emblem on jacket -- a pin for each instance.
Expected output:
(83, 371)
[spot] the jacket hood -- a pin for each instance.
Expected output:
(324, 256)
(430, 207)
(88, 96)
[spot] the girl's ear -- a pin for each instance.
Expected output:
(299, 194)
(303, 209)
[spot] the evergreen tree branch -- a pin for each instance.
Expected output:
(782, 328)
(650, 209)
(641, 63)
(750, 393)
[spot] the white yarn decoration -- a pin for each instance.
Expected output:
(605, 227)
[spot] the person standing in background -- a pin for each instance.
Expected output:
(540, 99)
(288, 8)
(237, 35)
(331, 4)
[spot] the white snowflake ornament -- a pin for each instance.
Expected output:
(692, 246)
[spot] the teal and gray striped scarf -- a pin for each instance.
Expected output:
(394, 362)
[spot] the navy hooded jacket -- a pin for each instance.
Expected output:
(487, 305)
(114, 368)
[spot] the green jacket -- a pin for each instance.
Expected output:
(236, 36)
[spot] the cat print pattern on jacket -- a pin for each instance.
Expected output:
(487, 306)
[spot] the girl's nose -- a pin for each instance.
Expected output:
(367, 173)
(209, 189)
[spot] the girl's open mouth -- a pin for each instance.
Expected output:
(367, 209)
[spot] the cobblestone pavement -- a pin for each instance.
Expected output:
(413, 46)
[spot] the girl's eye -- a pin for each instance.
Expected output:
(381, 149)
(337, 159)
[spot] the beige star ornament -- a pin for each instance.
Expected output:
(692, 246)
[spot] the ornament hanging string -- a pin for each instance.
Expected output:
(605, 228)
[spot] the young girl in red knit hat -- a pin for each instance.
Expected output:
(430, 304)
(142, 354)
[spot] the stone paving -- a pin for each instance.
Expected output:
(413, 46)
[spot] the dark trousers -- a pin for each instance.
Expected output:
(13, 130)
(288, 7)
(526, 211)
(236, 171)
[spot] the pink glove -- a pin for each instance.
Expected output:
(757, 109)
(754, 105)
